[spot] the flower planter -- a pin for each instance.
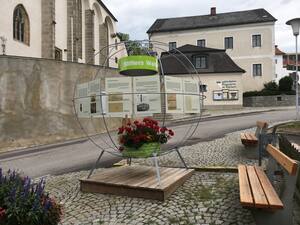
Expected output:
(145, 151)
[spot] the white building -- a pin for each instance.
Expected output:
(280, 70)
(247, 36)
(69, 30)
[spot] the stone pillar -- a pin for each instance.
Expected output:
(89, 37)
(103, 42)
(70, 35)
(48, 29)
(74, 39)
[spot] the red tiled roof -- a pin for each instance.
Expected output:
(278, 51)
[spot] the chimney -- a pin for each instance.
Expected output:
(213, 11)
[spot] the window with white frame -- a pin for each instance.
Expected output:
(228, 42)
(200, 62)
(257, 70)
(201, 43)
(172, 45)
(256, 40)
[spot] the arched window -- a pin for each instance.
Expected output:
(21, 25)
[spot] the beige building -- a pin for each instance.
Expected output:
(247, 36)
(220, 77)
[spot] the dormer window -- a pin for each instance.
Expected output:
(200, 62)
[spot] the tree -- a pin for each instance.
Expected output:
(123, 36)
(286, 84)
(271, 86)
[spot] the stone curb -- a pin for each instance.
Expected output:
(217, 169)
(39, 148)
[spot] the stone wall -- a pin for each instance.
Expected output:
(36, 101)
(269, 101)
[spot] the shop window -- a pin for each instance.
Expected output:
(21, 31)
(228, 42)
(201, 43)
(257, 70)
(172, 45)
(256, 40)
(226, 95)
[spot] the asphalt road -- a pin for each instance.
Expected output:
(82, 156)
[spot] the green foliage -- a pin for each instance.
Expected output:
(123, 36)
(286, 84)
(271, 86)
(24, 202)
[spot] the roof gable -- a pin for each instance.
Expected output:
(179, 62)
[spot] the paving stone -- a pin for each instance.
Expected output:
(206, 198)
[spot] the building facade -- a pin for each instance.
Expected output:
(247, 36)
(68, 30)
(280, 70)
(220, 77)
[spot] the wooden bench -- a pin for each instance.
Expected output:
(251, 139)
(258, 189)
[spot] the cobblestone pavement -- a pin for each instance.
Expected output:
(206, 198)
(227, 152)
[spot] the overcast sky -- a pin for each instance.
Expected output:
(136, 16)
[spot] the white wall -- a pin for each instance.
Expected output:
(279, 70)
(33, 8)
(211, 80)
(242, 53)
(61, 26)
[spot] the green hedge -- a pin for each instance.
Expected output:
(267, 93)
(271, 88)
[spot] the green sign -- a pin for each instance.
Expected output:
(138, 65)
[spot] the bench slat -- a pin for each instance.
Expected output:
(272, 197)
(289, 164)
(260, 200)
(243, 136)
(245, 190)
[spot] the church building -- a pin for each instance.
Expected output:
(68, 30)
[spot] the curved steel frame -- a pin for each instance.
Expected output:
(190, 132)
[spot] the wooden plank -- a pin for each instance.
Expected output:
(249, 137)
(260, 200)
(246, 198)
(137, 177)
(262, 124)
(243, 137)
(168, 180)
(271, 195)
(286, 162)
(153, 182)
(126, 185)
(253, 137)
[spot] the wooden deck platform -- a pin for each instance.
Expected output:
(136, 181)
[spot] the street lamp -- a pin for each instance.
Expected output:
(295, 23)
